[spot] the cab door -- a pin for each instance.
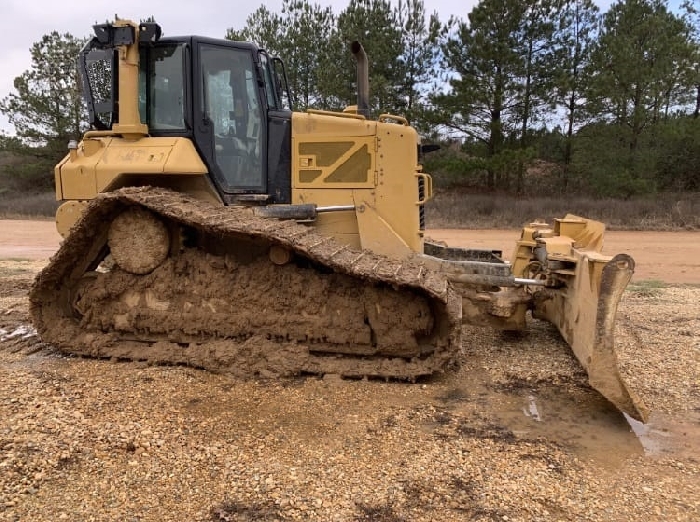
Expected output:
(229, 122)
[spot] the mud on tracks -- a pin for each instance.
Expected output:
(221, 304)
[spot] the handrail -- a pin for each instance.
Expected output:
(398, 119)
(333, 113)
(427, 188)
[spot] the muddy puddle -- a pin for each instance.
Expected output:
(579, 420)
(666, 436)
(18, 333)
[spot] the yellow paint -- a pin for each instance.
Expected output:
(67, 215)
(96, 167)
(386, 199)
(129, 126)
(569, 233)
(376, 234)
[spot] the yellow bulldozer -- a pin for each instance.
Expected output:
(207, 224)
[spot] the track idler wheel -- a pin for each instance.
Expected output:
(138, 240)
(280, 255)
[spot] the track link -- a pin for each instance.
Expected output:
(218, 301)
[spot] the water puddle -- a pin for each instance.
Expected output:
(583, 422)
(666, 436)
(578, 419)
(27, 351)
(21, 332)
(530, 409)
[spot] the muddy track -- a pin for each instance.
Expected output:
(219, 303)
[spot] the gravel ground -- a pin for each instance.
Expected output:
(513, 434)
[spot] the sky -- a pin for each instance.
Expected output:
(25, 22)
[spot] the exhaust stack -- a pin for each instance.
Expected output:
(362, 78)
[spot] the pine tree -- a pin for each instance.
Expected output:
(575, 36)
(47, 109)
(485, 68)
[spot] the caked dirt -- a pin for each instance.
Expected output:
(513, 433)
(188, 305)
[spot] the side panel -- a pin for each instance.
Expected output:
(341, 160)
(102, 164)
(397, 181)
(99, 161)
(106, 163)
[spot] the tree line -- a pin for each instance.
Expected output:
(524, 95)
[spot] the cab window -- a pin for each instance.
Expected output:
(231, 106)
(161, 88)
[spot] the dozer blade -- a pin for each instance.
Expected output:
(229, 291)
(560, 274)
(584, 312)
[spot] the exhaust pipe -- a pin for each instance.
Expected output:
(362, 78)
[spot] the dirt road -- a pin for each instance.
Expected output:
(514, 434)
(672, 257)
(28, 239)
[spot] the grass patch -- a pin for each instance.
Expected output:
(647, 288)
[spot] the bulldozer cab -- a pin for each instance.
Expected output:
(227, 97)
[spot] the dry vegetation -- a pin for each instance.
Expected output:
(28, 206)
(458, 209)
(455, 209)
(453, 206)
(19, 197)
